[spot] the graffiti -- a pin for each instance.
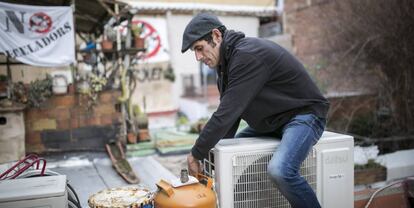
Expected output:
(148, 74)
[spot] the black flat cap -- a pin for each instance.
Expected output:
(198, 27)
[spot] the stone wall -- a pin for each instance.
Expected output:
(65, 123)
(11, 133)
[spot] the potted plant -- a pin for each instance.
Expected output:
(182, 124)
(106, 44)
(141, 120)
(369, 173)
(108, 38)
(136, 30)
(132, 137)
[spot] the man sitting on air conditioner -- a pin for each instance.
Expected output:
(263, 84)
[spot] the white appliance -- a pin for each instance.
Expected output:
(36, 192)
(239, 167)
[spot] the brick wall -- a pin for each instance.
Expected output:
(64, 123)
(307, 21)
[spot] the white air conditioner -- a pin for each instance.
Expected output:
(239, 169)
(36, 192)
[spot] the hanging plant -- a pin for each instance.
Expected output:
(97, 84)
(39, 91)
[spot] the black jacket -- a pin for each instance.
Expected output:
(261, 83)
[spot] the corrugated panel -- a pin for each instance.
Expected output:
(252, 187)
(242, 10)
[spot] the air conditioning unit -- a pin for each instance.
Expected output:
(239, 169)
(39, 192)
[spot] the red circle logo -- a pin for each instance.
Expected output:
(40, 22)
(151, 37)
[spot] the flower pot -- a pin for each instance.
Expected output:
(132, 138)
(139, 42)
(106, 45)
(143, 135)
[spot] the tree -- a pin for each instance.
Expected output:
(378, 35)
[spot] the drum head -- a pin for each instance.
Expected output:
(120, 197)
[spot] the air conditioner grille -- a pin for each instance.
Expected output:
(253, 188)
(209, 166)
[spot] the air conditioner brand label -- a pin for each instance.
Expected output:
(335, 159)
(336, 156)
(337, 176)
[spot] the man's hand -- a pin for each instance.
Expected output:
(194, 166)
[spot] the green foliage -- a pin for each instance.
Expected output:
(136, 109)
(371, 164)
(363, 125)
(96, 84)
(140, 118)
(169, 74)
(182, 120)
(136, 29)
(39, 91)
(3, 78)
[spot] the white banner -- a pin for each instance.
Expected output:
(37, 35)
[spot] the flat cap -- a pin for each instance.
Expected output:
(198, 27)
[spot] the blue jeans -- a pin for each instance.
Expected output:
(298, 137)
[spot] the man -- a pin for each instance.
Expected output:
(263, 84)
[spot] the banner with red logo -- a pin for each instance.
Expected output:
(37, 35)
(154, 33)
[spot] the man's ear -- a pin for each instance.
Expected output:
(217, 35)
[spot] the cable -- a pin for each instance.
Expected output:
(71, 204)
(73, 192)
(383, 188)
